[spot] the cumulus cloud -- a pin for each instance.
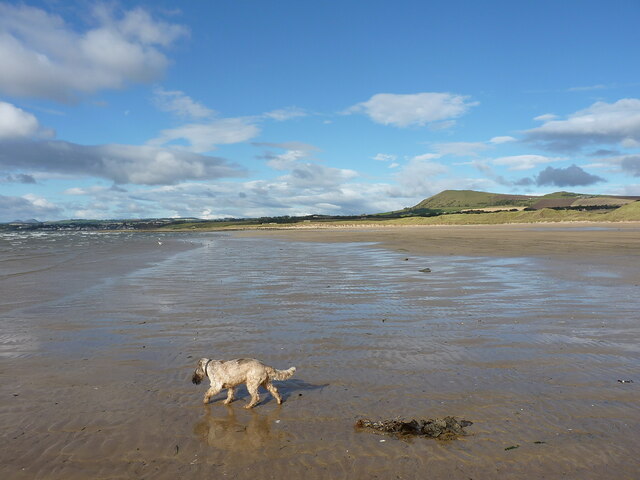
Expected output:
(304, 173)
(418, 176)
(26, 207)
(414, 109)
(123, 164)
(204, 137)
(16, 123)
(572, 176)
(177, 102)
(524, 162)
(270, 198)
(601, 123)
(43, 56)
(303, 186)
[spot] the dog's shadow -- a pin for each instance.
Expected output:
(287, 389)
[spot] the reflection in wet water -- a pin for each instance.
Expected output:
(220, 428)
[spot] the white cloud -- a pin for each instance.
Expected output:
(204, 137)
(304, 173)
(286, 160)
(287, 113)
(86, 190)
(123, 164)
(26, 207)
(426, 156)
(272, 197)
(385, 157)
(418, 176)
(177, 102)
(546, 117)
(42, 56)
(601, 123)
(413, 109)
(501, 140)
(524, 162)
(16, 123)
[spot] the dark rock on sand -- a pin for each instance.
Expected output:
(447, 428)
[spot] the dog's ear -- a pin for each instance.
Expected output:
(199, 373)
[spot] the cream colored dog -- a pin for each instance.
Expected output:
(231, 373)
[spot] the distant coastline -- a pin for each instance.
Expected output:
(450, 207)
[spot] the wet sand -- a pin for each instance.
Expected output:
(523, 330)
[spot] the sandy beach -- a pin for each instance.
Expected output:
(527, 331)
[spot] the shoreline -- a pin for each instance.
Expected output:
(547, 239)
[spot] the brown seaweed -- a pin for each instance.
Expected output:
(447, 428)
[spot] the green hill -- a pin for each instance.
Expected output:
(453, 200)
(450, 201)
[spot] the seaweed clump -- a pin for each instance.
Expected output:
(447, 428)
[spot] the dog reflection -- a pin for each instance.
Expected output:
(253, 433)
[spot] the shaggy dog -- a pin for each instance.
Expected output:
(231, 373)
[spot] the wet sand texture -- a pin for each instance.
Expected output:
(526, 342)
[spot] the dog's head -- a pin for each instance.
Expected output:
(200, 373)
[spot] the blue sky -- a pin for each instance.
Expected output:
(234, 108)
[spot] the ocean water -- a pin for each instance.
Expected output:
(530, 350)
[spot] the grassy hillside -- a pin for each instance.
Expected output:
(450, 201)
(627, 213)
(471, 199)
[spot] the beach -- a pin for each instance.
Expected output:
(530, 332)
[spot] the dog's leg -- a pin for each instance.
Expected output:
(253, 391)
(213, 390)
(230, 396)
(274, 391)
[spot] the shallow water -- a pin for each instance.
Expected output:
(101, 334)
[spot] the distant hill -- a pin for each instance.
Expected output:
(450, 201)
(30, 221)
(461, 199)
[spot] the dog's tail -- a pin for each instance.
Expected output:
(280, 374)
